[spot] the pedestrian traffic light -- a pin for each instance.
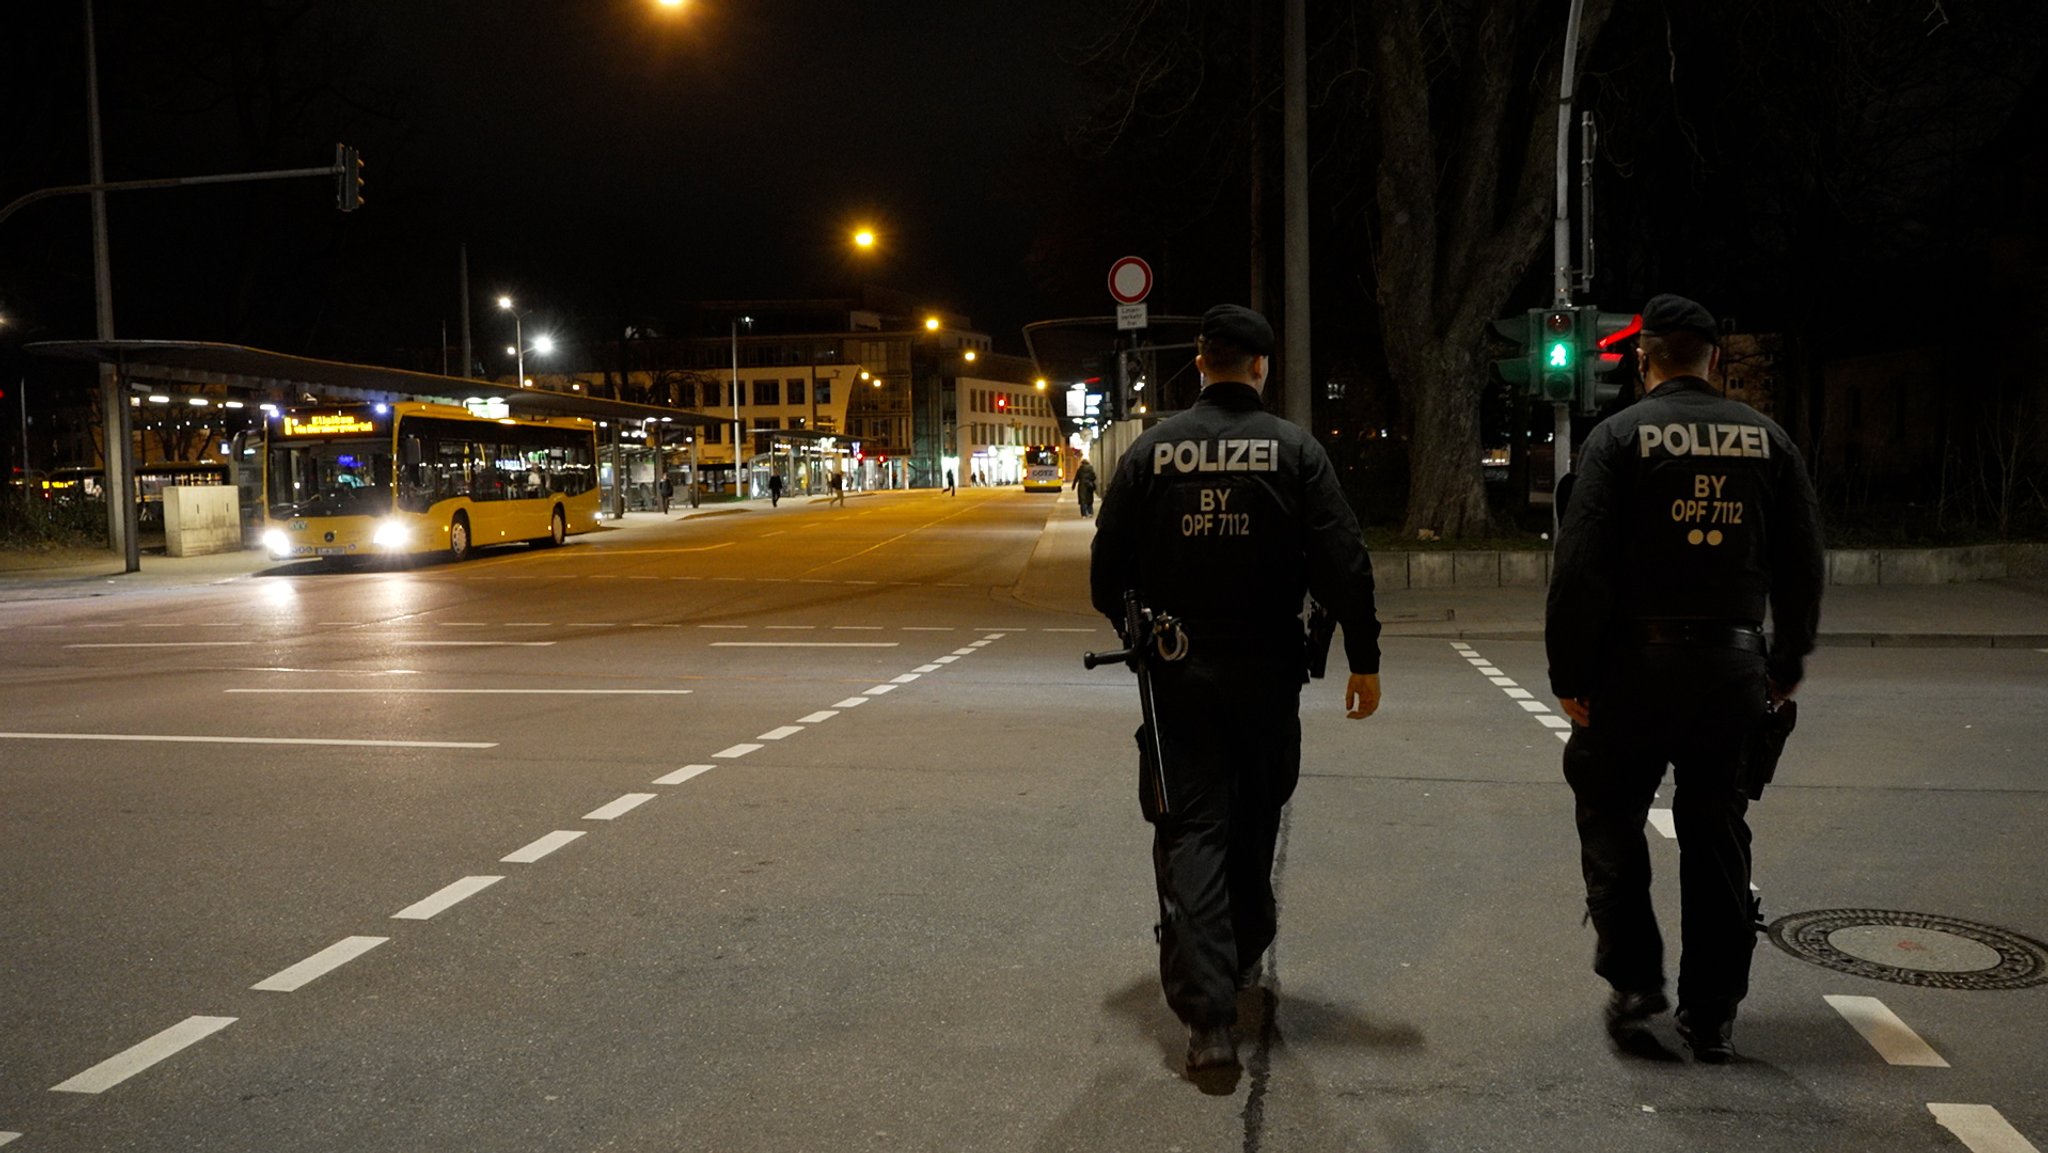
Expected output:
(348, 178)
(1558, 367)
(1002, 402)
(1547, 368)
(1604, 368)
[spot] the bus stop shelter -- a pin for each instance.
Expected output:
(283, 379)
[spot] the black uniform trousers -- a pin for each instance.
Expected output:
(1230, 721)
(1693, 708)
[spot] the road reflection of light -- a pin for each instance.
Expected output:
(280, 594)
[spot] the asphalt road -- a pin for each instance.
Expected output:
(804, 829)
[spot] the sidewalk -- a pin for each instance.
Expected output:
(2009, 613)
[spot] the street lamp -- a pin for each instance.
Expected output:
(864, 238)
(518, 349)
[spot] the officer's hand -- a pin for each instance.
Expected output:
(1575, 708)
(1779, 694)
(1361, 695)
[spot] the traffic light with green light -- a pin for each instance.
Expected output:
(1558, 363)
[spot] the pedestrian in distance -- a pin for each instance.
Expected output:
(1691, 513)
(774, 489)
(1084, 488)
(949, 483)
(1223, 517)
(837, 484)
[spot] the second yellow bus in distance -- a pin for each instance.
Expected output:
(380, 480)
(1042, 468)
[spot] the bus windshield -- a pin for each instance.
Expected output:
(330, 478)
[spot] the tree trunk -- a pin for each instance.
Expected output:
(1446, 493)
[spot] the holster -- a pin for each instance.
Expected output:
(1760, 756)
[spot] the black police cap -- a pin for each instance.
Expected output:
(1236, 325)
(1667, 314)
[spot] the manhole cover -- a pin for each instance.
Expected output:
(1913, 948)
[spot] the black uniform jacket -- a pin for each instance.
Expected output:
(1691, 506)
(1223, 516)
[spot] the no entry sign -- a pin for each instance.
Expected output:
(1130, 280)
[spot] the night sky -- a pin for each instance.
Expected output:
(600, 160)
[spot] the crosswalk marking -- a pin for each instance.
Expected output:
(1893, 1039)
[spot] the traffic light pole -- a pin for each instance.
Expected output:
(27, 199)
(1561, 250)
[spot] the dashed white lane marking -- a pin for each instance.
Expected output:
(1519, 694)
(1461, 646)
(374, 744)
(926, 669)
(445, 898)
(619, 808)
(1893, 1039)
(683, 774)
(721, 626)
(541, 847)
(779, 732)
(793, 628)
(1980, 1127)
(878, 690)
(963, 652)
(6, 1137)
(1489, 671)
(857, 628)
(1661, 820)
(927, 628)
(1503, 682)
(905, 679)
(804, 644)
(136, 1058)
(481, 644)
(739, 750)
(1565, 736)
(851, 702)
(1553, 721)
(1064, 630)
(1534, 706)
(945, 660)
(318, 965)
(817, 717)
(160, 645)
(411, 691)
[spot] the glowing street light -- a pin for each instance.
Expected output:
(968, 356)
(864, 238)
(931, 324)
(1039, 384)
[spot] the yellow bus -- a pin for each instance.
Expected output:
(410, 478)
(1042, 468)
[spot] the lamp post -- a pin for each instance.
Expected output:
(518, 338)
(738, 484)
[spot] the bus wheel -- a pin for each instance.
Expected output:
(458, 538)
(558, 531)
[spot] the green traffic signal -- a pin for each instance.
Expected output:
(1560, 355)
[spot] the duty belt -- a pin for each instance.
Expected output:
(1699, 634)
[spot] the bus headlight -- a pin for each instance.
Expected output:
(390, 534)
(278, 544)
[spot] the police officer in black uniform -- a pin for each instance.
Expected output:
(1223, 517)
(1691, 512)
